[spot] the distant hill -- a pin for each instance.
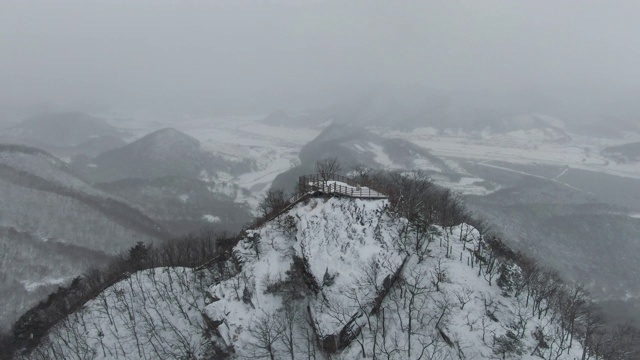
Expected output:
(398, 107)
(54, 226)
(61, 129)
(184, 205)
(280, 118)
(623, 153)
(32, 268)
(355, 145)
(95, 146)
(411, 107)
(612, 127)
(166, 152)
(312, 118)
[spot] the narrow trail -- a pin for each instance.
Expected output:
(562, 173)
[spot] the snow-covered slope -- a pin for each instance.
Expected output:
(166, 152)
(54, 226)
(350, 274)
(44, 165)
(335, 276)
(152, 314)
(61, 129)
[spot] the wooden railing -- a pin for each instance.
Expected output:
(314, 182)
(351, 191)
(309, 185)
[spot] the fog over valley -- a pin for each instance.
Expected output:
(319, 179)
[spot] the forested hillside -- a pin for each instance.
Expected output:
(54, 226)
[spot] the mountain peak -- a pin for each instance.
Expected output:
(167, 136)
(166, 152)
(62, 129)
(344, 266)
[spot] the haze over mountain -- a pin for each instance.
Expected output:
(239, 62)
(624, 153)
(408, 108)
(173, 180)
(97, 145)
(166, 152)
(162, 143)
(579, 224)
(54, 226)
(182, 204)
(62, 129)
(355, 145)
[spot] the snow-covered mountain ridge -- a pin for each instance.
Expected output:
(336, 276)
(347, 277)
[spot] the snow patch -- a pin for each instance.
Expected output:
(211, 218)
(381, 157)
(34, 285)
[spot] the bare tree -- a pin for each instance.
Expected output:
(362, 174)
(265, 333)
(522, 317)
(327, 167)
(463, 295)
(273, 200)
(287, 324)
(591, 325)
(438, 274)
(416, 292)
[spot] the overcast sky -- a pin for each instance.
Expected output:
(231, 55)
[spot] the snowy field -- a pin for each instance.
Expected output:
(521, 147)
(275, 150)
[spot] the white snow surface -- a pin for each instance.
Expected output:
(522, 147)
(152, 314)
(357, 241)
(211, 218)
(381, 157)
(33, 285)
